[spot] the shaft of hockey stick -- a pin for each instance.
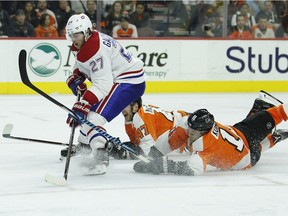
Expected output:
(7, 134)
(67, 164)
(26, 81)
(272, 96)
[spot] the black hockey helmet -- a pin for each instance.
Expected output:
(201, 120)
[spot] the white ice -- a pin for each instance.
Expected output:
(262, 190)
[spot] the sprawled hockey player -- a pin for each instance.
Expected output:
(224, 147)
(145, 123)
(117, 79)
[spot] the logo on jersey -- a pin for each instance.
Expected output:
(44, 59)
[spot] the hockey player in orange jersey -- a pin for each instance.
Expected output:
(234, 147)
(144, 124)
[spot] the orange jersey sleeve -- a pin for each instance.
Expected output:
(131, 132)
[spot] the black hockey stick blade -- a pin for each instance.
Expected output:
(8, 130)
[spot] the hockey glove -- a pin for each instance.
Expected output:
(81, 109)
(76, 83)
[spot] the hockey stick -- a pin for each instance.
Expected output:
(59, 180)
(26, 81)
(271, 96)
(70, 143)
(7, 134)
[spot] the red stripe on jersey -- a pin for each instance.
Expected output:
(130, 72)
(106, 99)
(89, 48)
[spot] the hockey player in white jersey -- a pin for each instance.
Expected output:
(117, 79)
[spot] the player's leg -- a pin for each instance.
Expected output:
(106, 110)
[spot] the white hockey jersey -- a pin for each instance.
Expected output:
(104, 62)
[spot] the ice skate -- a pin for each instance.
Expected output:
(95, 163)
(279, 135)
(264, 102)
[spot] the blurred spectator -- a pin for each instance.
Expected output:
(42, 9)
(45, 29)
(11, 6)
(30, 13)
(200, 14)
(218, 31)
(179, 13)
(114, 16)
(207, 28)
(282, 31)
(248, 18)
(91, 12)
(78, 6)
(255, 6)
(140, 18)
(128, 6)
(263, 29)
(125, 29)
(269, 12)
(240, 31)
(21, 27)
(5, 22)
(63, 13)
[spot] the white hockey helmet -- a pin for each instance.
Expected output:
(78, 23)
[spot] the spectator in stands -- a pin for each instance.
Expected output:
(199, 15)
(140, 18)
(21, 27)
(269, 12)
(263, 29)
(248, 17)
(240, 31)
(282, 31)
(125, 29)
(207, 28)
(42, 8)
(114, 16)
(45, 29)
(63, 13)
(30, 14)
(91, 12)
(5, 22)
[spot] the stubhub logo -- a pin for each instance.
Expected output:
(240, 59)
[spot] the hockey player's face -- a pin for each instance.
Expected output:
(193, 135)
(128, 113)
(78, 39)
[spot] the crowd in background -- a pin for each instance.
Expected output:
(186, 18)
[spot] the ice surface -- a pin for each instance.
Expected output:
(262, 190)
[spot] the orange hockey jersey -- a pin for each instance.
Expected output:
(149, 123)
